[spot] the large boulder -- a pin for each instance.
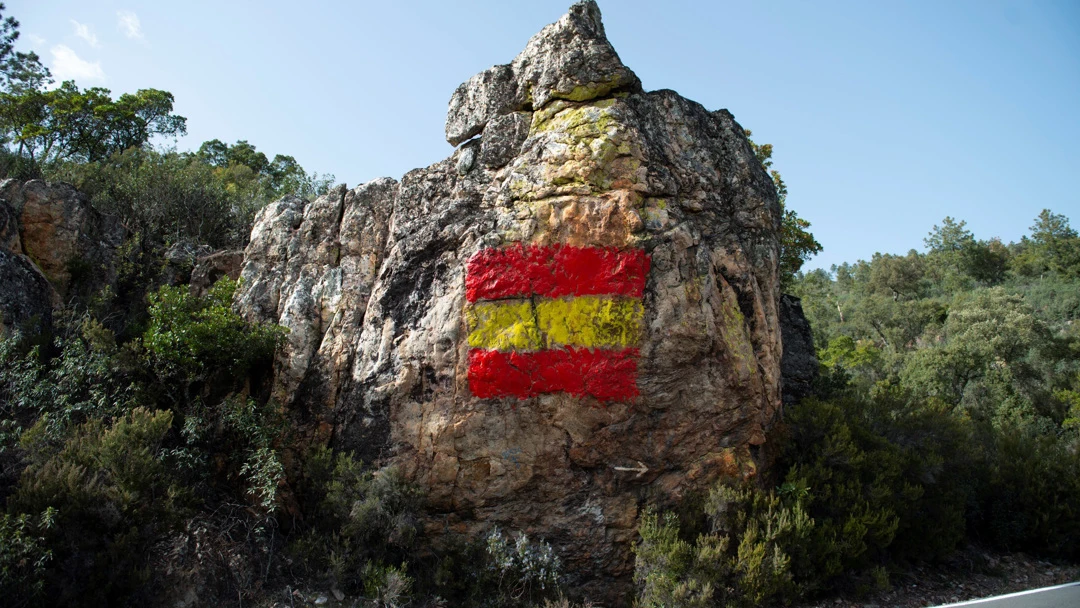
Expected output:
(71, 243)
(574, 313)
(26, 297)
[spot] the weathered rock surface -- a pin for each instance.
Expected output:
(9, 229)
(61, 233)
(799, 366)
(26, 297)
(570, 59)
(180, 260)
(209, 268)
(386, 353)
(312, 268)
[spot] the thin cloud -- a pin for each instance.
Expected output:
(35, 40)
(67, 65)
(130, 25)
(83, 31)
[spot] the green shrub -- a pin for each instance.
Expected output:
(882, 479)
(359, 516)
(24, 554)
(744, 560)
(386, 586)
(87, 379)
(1031, 500)
(769, 530)
(111, 496)
(191, 338)
(526, 571)
(669, 571)
(108, 471)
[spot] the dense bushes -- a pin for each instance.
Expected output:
(864, 484)
(24, 556)
(869, 485)
(359, 517)
(166, 197)
(170, 197)
(189, 338)
(108, 448)
(745, 559)
(365, 539)
(1031, 498)
(128, 463)
(111, 497)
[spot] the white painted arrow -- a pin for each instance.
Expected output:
(640, 468)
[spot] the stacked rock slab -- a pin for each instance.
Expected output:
(559, 151)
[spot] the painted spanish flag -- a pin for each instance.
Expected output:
(547, 319)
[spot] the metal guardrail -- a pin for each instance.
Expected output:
(1058, 596)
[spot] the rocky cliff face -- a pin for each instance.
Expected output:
(573, 314)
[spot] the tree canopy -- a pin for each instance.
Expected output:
(66, 123)
(104, 145)
(88, 125)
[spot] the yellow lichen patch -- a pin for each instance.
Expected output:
(585, 148)
(734, 331)
(503, 326)
(580, 121)
(564, 115)
(591, 90)
(591, 321)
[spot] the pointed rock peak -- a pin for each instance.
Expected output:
(569, 59)
(572, 59)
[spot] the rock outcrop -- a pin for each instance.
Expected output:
(61, 233)
(209, 268)
(799, 365)
(26, 297)
(573, 314)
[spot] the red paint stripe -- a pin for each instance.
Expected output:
(555, 271)
(605, 374)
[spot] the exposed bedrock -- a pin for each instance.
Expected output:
(572, 315)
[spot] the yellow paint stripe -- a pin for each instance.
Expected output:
(504, 325)
(591, 321)
(586, 321)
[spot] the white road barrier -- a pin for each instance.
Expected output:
(1058, 596)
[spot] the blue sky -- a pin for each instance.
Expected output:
(886, 116)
